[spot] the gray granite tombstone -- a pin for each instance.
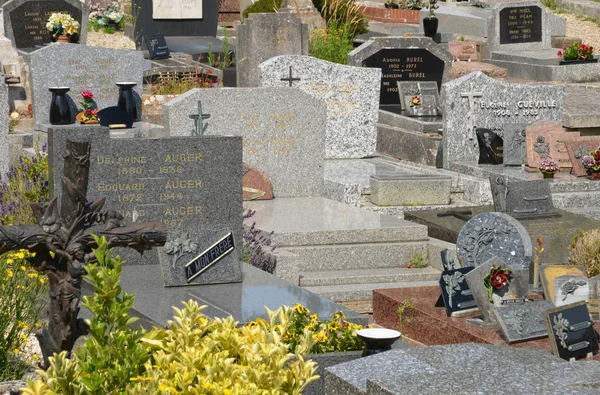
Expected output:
(490, 235)
(571, 288)
(25, 20)
(82, 68)
(283, 131)
(263, 36)
(4, 154)
(477, 101)
(521, 198)
(515, 150)
(424, 93)
(517, 287)
(192, 184)
(521, 321)
(351, 94)
(519, 26)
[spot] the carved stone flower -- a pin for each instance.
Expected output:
(561, 326)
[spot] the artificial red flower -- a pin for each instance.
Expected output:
(209, 71)
(499, 278)
(560, 53)
(87, 95)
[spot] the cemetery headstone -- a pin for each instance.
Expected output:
(351, 94)
(449, 259)
(546, 140)
(157, 47)
(515, 151)
(519, 26)
(520, 198)
(455, 291)
(577, 149)
(571, 331)
(82, 68)
(477, 101)
(465, 51)
(263, 36)
(523, 320)
(4, 154)
(191, 184)
(490, 235)
(549, 272)
(175, 18)
(283, 131)
(25, 20)
(571, 288)
(419, 99)
(517, 287)
(403, 59)
(491, 147)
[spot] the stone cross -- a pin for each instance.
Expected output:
(471, 95)
(290, 79)
(198, 121)
(62, 243)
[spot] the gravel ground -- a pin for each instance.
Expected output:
(589, 32)
(116, 40)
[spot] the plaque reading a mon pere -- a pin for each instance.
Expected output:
(520, 25)
(177, 9)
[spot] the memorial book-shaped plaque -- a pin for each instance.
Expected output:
(157, 47)
(571, 331)
(523, 320)
(455, 290)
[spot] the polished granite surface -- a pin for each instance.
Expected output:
(245, 301)
(359, 171)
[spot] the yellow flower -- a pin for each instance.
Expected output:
(16, 351)
(23, 336)
(20, 254)
(300, 309)
(52, 254)
(43, 280)
(38, 324)
(14, 115)
(320, 337)
(226, 392)
(9, 261)
(32, 275)
(23, 268)
(208, 385)
(9, 272)
(36, 357)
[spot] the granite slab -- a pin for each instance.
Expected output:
(515, 151)
(427, 93)
(570, 288)
(523, 321)
(519, 26)
(548, 273)
(521, 199)
(351, 95)
(464, 51)
(546, 140)
(571, 330)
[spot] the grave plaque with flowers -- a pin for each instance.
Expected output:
(419, 99)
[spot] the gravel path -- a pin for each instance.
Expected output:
(589, 32)
(116, 40)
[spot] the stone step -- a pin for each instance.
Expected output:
(354, 256)
(409, 190)
(348, 292)
(457, 201)
(589, 212)
(368, 276)
(417, 124)
(400, 143)
(576, 199)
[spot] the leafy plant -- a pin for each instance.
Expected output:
(585, 251)
(577, 51)
(404, 307)
(332, 44)
(417, 261)
(25, 183)
(392, 4)
(432, 5)
(228, 57)
(413, 5)
(177, 83)
(256, 250)
(262, 6)
(13, 121)
(108, 30)
(22, 297)
(347, 14)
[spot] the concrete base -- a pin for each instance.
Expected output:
(419, 190)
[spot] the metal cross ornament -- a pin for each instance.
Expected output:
(200, 128)
(290, 79)
(63, 243)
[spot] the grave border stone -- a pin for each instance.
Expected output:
(10, 6)
(494, 29)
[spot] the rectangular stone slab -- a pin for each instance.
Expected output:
(177, 9)
(515, 151)
(463, 50)
(549, 272)
(427, 91)
(546, 140)
(521, 199)
(571, 331)
(523, 321)
(455, 290)
(577, 149)
(407, 190)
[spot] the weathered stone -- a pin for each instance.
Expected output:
(460, 69)
(306, 11)
(546, 140)
(351, 94)
(282, 130)
(256, 184)
(571, 288)
(549, 272)
(515, 149)
(82, 68)
(465, 51)
(477, 101)
(420, 190)
(520, 198)
(428, 98)
(263, 36)
(523, 321)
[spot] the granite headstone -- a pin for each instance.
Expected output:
(4, 154)
(283, 131)
(571, 331)
(351, 94)
(521, 198)
(190, 183)
(455, 291)
(546, 140)
(571, 288)
(517, 287)
(402, 59)
(82, 68)
(515, 151)
(263, 36)
(25, 20)
(519, 26)
(490, 235)
(177, 9)
(477, 101)
(523, 320)
(419, 99)
(550, 272)
(577, 149)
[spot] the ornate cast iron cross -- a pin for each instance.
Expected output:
(200, 128)
(67, 234)
(289, 79)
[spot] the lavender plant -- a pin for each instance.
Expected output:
(256, 250)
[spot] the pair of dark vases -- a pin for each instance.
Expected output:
(60, 110)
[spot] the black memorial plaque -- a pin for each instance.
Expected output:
(455, 290)
(571, 331)
(415, 64)
(209, 257)
(491, 147)
(157, 47)
(520, 25)
(29, 20)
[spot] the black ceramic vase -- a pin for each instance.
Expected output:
(377, 340)
(430, 26)
(127, 99)
(60, 111)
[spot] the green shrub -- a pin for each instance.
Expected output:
(262, 6)
(22, 296)
(585, 251)
(417, 260)
(108, 30)
(332, 44)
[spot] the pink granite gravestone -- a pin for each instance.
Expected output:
(546, 140)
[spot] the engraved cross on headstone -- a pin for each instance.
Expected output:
(290, 79)
(200, 128)
(471, 95)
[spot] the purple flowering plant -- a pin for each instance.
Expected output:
(548, 165)
(257, 248)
